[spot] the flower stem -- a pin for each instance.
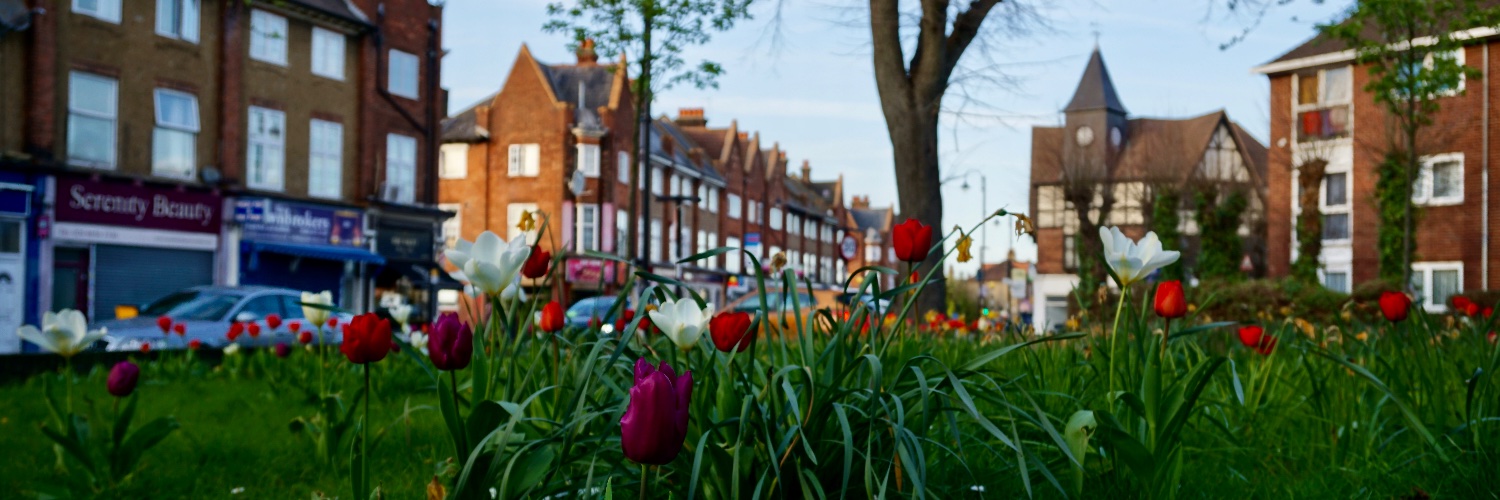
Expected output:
(643, 482)
(1114, 333)
(1165, 333)
(364, 440)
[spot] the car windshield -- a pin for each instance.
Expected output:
(593, 307)
(192, 305)
(776, 301)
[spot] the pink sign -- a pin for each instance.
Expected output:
(123, 204)
(582, 271)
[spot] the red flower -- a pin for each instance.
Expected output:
(1459, 303)
(333, 322)
(235, 330)
(367, 339)
(731, 331)
(912, 240)
(254, 330)
(304, 337)
(1491, 337)
(1255, 338)
(1395, 306)
(273, 321)
(1489, 311)
(294, 326)
(1471, 309)
(164, 323)
(283, 350)
(145, 347)
(550, 319)
(1170, 301)
(536, 264)
(180, 328)
(124, 375)
(451, 346)
(656, 419)
(955, 324)
(195, 344)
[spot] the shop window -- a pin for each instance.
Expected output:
(177, 19)
(325, 162)
(92, 116)
(268, 34)
(328, 53)
(267, 153)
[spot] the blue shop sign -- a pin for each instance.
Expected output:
(276, 221)
(15, 194)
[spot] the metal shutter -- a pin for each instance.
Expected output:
(138, 275)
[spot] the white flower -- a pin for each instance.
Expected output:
(315, 315)
(1133, 261)
(400, 313)
(65, 333)
(231, 349)
(418, 341)
(513, 291)
(489, 263)
(682, 321)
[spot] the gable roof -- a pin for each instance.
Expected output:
(1155, 148)
(681, 150)
(464, 127)
(1095, 90)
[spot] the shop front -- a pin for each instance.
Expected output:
(302, 246)
(411, 274)
(125, 243)
(17, 258)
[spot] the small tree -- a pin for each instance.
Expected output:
(1219, 220)
(1309, 223)
(1165, 220)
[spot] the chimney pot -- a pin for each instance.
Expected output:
(586, 54)
(806, 171)
(691, 117)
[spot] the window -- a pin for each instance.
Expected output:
(268, 35)
(732, 259)
(328, 53)
(775, 218)
(325, 159)
(1129, 205)
(524, 160)
(453, 227)
(587, 229)
(266, 157)
(1441, 181)
(104, 10)
(734, 206)
(713, 200)
(703, 242)
(655, 240)
(1049, 206)
(1436, 282)
(1337, 281)
(1335, 206)
(174, 141)
(177, 19)
(588, 160)
(622, 167)
(453, 161)
(1420, 77)
(1323, 99)
(622, 226)
(513, 214)
(401, 167)
(403, 78)
(1070, 253)
(91, 120)
(656, 180)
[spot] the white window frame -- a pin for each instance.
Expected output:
(453, 227)
(328, 49)
(1345, 208)
(588, 160)
(405, 65)
(453, 161)
(320, 158)
(113, 116)
(189, 14)
(654, 239)
(104, 10)
(775, 218)
(191, 128)
(1348, 273)
(735, 209)
(1425, 270)
(732, 259)
(513, 213)
(622, 167)
(276, 144)
(401, 171)
(586, 234)
(1422, 191)
(656, 180)
(268, 37)
(524, 160)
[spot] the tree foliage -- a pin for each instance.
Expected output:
(1220, 245)
(1309, 223)
(1392, 200)
(1165, 220)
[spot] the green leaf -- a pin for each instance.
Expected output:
(143, 439)
(451, 417)
(72, 446)
(526, 470)
(1411, 417)
(1080, 427)
(1201, 329)
(1125, 448)
(980, 361)
(705, 255)
(358, 482)
(485, 418)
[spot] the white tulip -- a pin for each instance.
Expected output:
(65, 333)
(682, 321)
(315, 315)
(418, 341)
(489, 263)
(400, 313)
(513, 292)
(1133, 261)
(231, 349)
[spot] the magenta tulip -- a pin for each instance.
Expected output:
(122, 378)
(451, 344)
(655, 422)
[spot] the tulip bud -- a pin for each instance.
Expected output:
(164, 323)
(451, 343)
(1395, 306)
(731, 331)
(122, 378)
(1170, 300)
(305, 337)
(294, 326)
(283, 350)
(273, 321)
(537, 263)
(180, 329)
(550, 318)
(195, 344)
(656, 419)
(911, 240)
(1255, 338)
(367, 339)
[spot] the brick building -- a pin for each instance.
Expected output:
(1320, 110)
(1102, 153)
(285, 143)
(870, 230)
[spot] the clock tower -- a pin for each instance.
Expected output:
(1095, 123)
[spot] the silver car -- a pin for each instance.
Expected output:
(207, 313)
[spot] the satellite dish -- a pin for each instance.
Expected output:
(210, 175)
(576, 185)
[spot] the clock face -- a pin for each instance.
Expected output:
(1115, 136)
(1085, 136)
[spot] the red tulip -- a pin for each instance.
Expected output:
(305, 337)
(537, 263)
(451, 345)
(367, 339)
(1459, 303)
(333, 322)
(122, 379)
(731, 331)
(283, 350)
(550, 319)
(624, 319)
(294, 326)
(1491, 336)
(1471, 309)
(145, 347)
(1170, 301)
(254, 330)
(1395, 306)
(1255, 338)
(180, 328)
(656, 420)
(1489, 311)
(955, 324)
(912, 240)
(235, 330)
(195, 344)
(164, 323)
(273, 321)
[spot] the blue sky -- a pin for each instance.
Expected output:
(815, 92)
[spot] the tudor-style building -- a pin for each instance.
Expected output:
(1126, 161)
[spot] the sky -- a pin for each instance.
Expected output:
(807, 84)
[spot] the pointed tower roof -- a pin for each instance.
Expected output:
(1095, 90)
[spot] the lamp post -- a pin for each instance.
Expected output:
(677, 200)
(984, 202)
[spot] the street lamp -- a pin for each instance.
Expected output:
(984, 201)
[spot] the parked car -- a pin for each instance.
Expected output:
(584, 311)
(207, 312)
(783, 309)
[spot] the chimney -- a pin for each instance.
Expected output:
(744, 136)
(806, 171)
(860, 202)
(586, 54)
(691, 117)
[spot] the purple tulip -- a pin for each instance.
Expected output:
(122, 378)
(655, 423)
(283, 350)
(451, 345)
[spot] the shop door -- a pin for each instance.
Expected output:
(70, 280)
(138, 275)
(12, 284)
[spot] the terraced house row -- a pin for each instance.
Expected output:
(151, 145)
(556, 139)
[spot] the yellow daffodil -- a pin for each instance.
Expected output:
(963, 248)
(1024, 225)
(1362, 336)
(1306, 327)
(528, 221)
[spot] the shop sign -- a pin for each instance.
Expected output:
(95, 202)
(849, 248)
(404, 243)
(267, 220)
(587, 271)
